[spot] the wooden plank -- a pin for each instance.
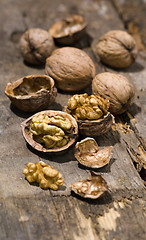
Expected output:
(29, 212)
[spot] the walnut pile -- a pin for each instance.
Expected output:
(36, 45)
(91, 107)
(46, 176)
(117, 49)
(50, 130)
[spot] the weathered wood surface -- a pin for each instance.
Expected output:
(28, 212)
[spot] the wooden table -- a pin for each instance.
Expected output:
(27, 211)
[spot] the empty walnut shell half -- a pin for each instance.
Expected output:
(92, 187)
(69, 30)
(32, 93)
(117, 49)
(89, 155)
(51, 131)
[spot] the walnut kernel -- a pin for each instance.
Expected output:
(46, 176)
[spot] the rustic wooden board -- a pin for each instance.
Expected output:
(28, 212)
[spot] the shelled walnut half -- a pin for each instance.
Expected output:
(88, 154)
(91, 113)
(32, 93)
(92, 187)
(46, 176)
(50, 131)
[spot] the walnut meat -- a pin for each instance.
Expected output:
(71, 68)
(117, 49)
(91, 113)
(69, 30)
(36, 45)
(32, 93)
(46, 176)
(50, 131)
(116, 88)
(89, 155)
(92, 187)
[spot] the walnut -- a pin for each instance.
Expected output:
(116, 88)
(36, 45)
(32, 93)
(117, 49)
(69, 30)
(89, 155)
(46, 176)
(71, 68)
(92, 187)
(91, 113)
(50, 131)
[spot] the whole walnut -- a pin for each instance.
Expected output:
(36, 45)
(116, 88)
(71, 68)
(117, 49)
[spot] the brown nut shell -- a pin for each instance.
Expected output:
(117, 49)
(32, 93)
(69, 30)
(88, 154)
(92, 187)
(116, 88)
(93, 128)
(71, 68)
(36, 45)
(73, 133)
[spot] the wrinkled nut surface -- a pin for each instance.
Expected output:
(91, 113)
(32, 93)
(50, 131)
(92, 187)
(68, 30)
(36, 45)
(91, 107)
(71, 68)
(89, 155)
(117, 49)
(46, 176)
(116, 88)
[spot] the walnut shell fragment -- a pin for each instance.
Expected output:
(88, 154)
(50, 131)
(36, 45)
(71, 68)
(69, 30)
(92, 187)
(117, 49)
(46, 176)
(116, 88)
(32, 93)
(91, 113)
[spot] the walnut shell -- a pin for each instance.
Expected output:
(92, 187)
(69, 30)
(71, 68)
(88, 154)
(32, 93)
(116, 88)
(36, 45)
(93, 128)
(117, 49)
(73, 133)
